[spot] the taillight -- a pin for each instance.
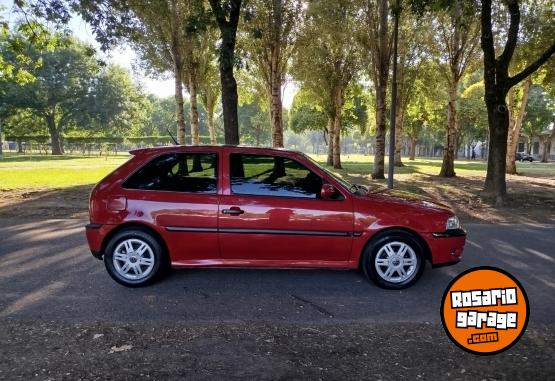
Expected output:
(92, 204)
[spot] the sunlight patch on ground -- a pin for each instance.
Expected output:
(32, 298)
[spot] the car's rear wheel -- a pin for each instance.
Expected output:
(394, 260)
(134, 258)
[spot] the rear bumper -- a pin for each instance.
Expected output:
(446, 248)
(95, 235)
(96, 254)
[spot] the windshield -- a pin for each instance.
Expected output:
(351, 187)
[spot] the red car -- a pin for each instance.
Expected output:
(187, 206)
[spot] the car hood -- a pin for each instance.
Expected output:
(408, 199)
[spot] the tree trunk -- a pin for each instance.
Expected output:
(512, 122)
(497, 83)
(276, 106)
(209, 102)
(227, 18)
(448, 164)
(379, 152)
(195, 140)
(211, 127)
(498, 121)
(177, 70)
(338, 105)
(229, 103)
(457, 146)
(398, 162)
(276, 112)
(331, 133)
(381, 74)
(546, 142)
(57, 148)
(412, 150)
(515, 124)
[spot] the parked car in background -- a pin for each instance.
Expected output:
(221, 206)
(523, 156)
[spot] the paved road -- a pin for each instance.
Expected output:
(46, 272)
(62, 317)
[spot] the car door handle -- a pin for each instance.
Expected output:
(233, 211)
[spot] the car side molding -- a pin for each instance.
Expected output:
(262, 231)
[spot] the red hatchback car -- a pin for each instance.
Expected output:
(187, 206)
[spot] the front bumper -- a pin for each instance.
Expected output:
(451, 233)
(446, 248)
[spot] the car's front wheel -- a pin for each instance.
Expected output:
(134, 258)
(394, 260)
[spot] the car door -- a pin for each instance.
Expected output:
(177, 193)
(272, 211)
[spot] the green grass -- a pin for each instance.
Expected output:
(35, 161)
(41, 172)
(363, 165)
(46, 172)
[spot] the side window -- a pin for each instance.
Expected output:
(177, 172)
(272, 176)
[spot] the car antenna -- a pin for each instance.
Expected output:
(171, 136)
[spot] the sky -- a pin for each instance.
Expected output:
(125, 56)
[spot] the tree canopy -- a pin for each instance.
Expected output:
(468, 72)
(70, 89)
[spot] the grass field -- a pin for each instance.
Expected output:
(362, 164)
(44, 172)
(47, 172)
(36, 186)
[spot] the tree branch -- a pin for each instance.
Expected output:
(218, 12)
(487, 33)
(235, 10)
(512, 36)
(471, 52)
(486, 41)
(533, 66)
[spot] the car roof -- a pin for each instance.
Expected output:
(245, 148)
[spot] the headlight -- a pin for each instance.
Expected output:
(452, 223)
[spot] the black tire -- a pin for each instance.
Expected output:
(395, 238)
(154, 251)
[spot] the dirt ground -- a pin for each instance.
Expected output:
(530, 200)
(237, 351)
(44, 204)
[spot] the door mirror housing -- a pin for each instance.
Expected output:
(328, 192)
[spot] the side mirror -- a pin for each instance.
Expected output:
(328, 192)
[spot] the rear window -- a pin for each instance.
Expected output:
(177, 172)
